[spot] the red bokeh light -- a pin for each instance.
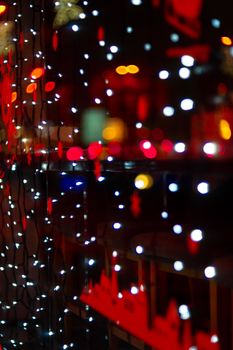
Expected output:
(145, 145)
(94, 150)
(167, 145)
(150, 153)
(148, 149)
(114, 148)
(74, 153)
(49, 86)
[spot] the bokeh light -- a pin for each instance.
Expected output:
(74, 153)
(143, 181)
(177, 229)
(37, 73)
(226, 41)
(139, 249)
(210, 148)
(180, 147)
(31, 88)
(196, 235)
(203, 187)
(168, 111)
(178, 265)
(121, 70)
(114, 130)
(49, 86)
(186, 104)
(173, 187)
(184, 73)
(163, 74)
(184, 312)
(225, 129)
(187, 60)
(210, 272)
(132, 69)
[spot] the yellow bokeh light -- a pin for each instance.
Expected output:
(225, 129)
(122, 70)
(132, 69)
(226, 40)
(143, 181)
(2, 9)
(114, 130)
(109, 133)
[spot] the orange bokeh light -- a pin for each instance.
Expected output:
(226, 40)
(37, 73)
(13, 96)
(2, 9)
(114, 130)
(132, 69)
(31, 88)
(122, 70)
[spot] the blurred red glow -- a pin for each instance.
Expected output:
(155, 3)
(167, 146)
(142, 132)
(55, 41)
(184, 15)
(39, 148)
(60, 149)
(114, 148)
(143, 107)
(135, 204)
(157, 134)
(193, 247)
(186, 9)
(201, 52)
(100, 33)
(49, 205)
(222, 89)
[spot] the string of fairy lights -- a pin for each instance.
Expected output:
(48, 177)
